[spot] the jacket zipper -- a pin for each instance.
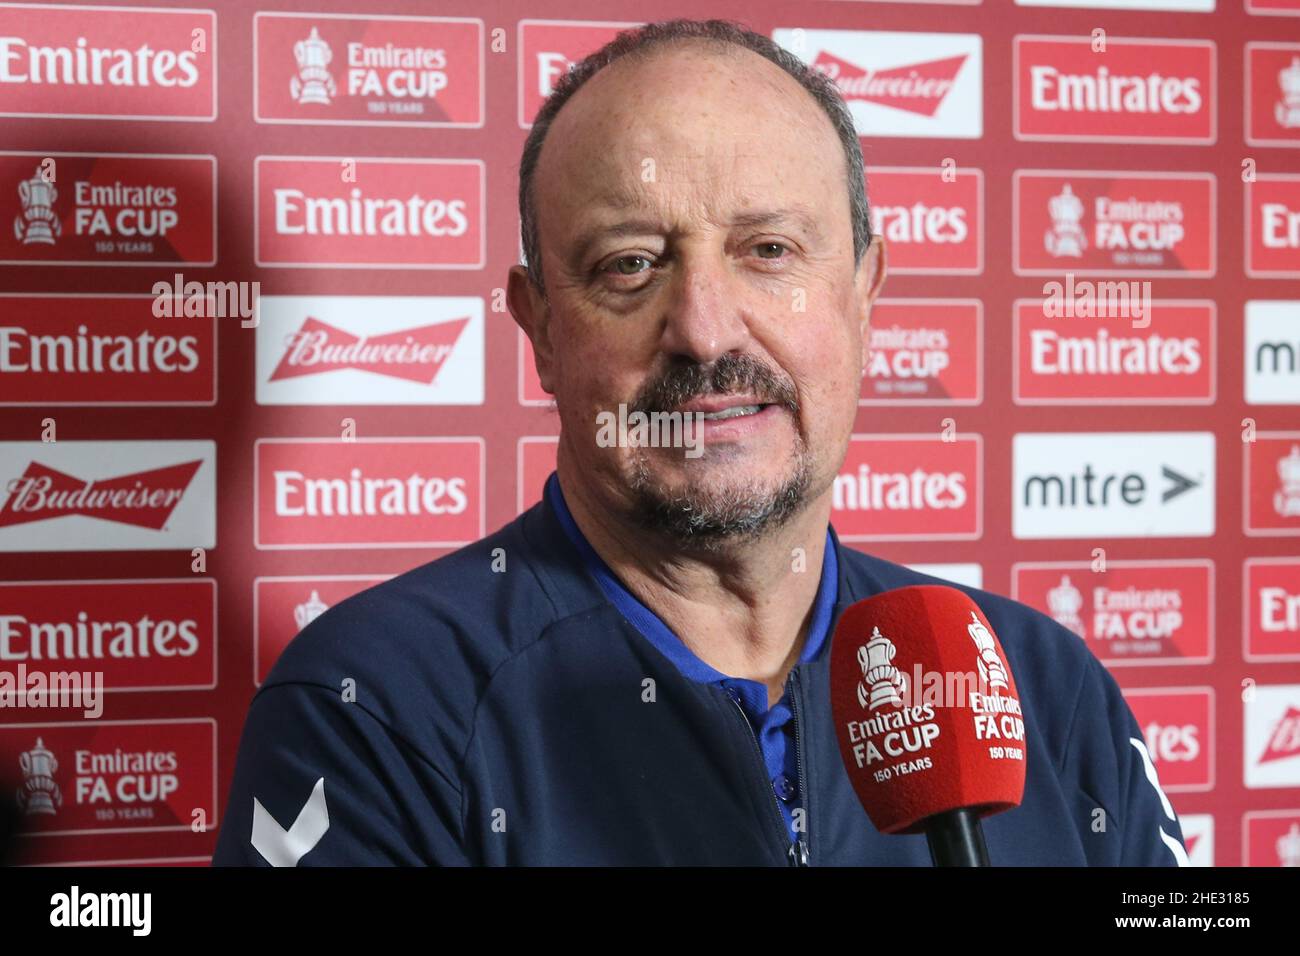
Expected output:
(803, 846)
(791, 858)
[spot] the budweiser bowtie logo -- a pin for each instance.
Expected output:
(1285, 740)
(145, 499)
(917, 88)
(415, 355)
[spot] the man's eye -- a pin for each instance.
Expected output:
(778, 246)
(620, 265)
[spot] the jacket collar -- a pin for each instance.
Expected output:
(572, 590)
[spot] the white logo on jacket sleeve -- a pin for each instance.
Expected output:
(281, 847)
(1174, 846)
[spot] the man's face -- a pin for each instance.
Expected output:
(698, 256)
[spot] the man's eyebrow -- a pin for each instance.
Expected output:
(768, 217)
(634, 227)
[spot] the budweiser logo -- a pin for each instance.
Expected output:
(1284, 741)
(145, 499)
(415, 355)
(917, 88)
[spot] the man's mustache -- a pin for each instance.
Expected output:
(731, 374)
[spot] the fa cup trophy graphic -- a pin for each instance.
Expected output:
(313, 84)
(38, 223)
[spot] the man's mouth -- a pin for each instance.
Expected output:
(736, 411)
(721, 407)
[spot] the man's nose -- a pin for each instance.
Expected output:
(704, 315)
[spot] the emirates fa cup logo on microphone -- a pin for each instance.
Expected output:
(37, 224)
(1066, 237)
(39, 793)
(313, 84)
(881, 681)
(992, 672)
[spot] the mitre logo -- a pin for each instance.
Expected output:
(1119, 484)
(1273, 226)
(86, 62)
(313, 82)
(1272, 352)
(336, 69)
(1137, 91)
(370, 350)
(1129, 612)
(1098, 223)
(77, 496)
(1272, 736)
(900, 84)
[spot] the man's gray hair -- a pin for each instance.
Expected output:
(640, 42)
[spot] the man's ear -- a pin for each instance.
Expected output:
(533, 315)
(869, 279)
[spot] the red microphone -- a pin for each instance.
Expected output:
(927, 717)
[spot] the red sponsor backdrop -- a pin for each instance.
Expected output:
(152, 173)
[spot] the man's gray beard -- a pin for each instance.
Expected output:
(709, 522)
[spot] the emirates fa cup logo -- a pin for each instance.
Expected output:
(1065, 601)
(39, 793)
(1287, 501)
(309, 610)
(313, 84)
(1287, 109)
(38, 223)
(1066, 237)
(991, 670)
(881, 681)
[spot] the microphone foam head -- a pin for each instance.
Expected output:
(925, 708)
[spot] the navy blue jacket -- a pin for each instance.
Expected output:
(490, 708)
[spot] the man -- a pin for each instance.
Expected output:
(635, 671)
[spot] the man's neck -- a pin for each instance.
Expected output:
(744, 609)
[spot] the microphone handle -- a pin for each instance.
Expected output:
(956, 839)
